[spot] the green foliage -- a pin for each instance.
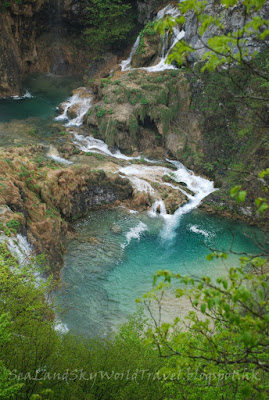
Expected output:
(143, 101)
(13, 224)
(109, 22)
(39, 363)
(100, 112)
(32, 132)
(225, 48)
(221, 348)
(8, 389)
(149, 30)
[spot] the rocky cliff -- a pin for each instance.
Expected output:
(39, 198)
(39, 36)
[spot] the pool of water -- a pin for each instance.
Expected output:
(30, 118)
(115, 255)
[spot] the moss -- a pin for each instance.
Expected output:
(147, 31)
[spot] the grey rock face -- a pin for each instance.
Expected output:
(234, 19)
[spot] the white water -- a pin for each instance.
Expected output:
(162, 65)
(27, 95)
(196, 229)
(90, 144)
(158, 208)
(83, 106)
(18, 247)
(126, 64)
(135, 233)
(54, 155)
(21, 249)
(141, 176)
(200, 186)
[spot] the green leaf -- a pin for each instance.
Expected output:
(203, 308)
(241, 196)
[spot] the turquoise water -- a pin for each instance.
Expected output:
(115, 254)
(103, 275)
(31, 119)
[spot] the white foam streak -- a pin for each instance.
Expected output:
(70, 102)
(84, 106)
(60, 327)
(27, 95)
(196, 229)
(54, 155)
(135, 233)
(141, 175)
(162, 64)
(140, 184)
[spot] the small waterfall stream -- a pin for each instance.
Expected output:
(162, 64)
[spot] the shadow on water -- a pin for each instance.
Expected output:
(30, 119)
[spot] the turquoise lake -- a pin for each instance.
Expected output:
(112, 258)
(103, 274)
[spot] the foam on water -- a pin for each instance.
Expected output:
(27, 95)
(54, 155)
(60, 327)
(162, 64)
(135, 233)
(196, 229)
(140, 176)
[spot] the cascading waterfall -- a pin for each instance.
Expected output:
(142, 177)
(82, 106)
(201, 187)
(176, 37)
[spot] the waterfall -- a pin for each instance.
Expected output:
(18, 247)
(54, 155)
(126, 64)
(142, 177)
(81, 105)
(90, 144)
(158, 208)
(176, 37)
(200, 186)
